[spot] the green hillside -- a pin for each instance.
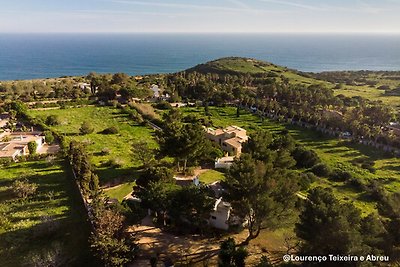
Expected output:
(254, 67)
(373, 85)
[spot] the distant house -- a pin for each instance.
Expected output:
(219, 217)
(156, 91)
(16, 144)
(84, 86)
(229, 139)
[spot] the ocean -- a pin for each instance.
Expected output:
(28, 56)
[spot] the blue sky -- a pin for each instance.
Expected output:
(199, 16)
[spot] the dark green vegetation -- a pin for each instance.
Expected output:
(46, 227)
(261, 185)
(187, 207)
(352, 235)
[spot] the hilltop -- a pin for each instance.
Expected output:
(374, 85)
(251, 66)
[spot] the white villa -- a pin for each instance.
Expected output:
(15, 144)
(230, 140)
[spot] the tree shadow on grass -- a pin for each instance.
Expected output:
(17, 245)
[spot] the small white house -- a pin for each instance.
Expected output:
(219, 217)
(156, 90)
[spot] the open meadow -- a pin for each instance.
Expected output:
(111, 153)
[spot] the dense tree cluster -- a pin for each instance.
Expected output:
(185, 208)
(329, 226)
(261, 185)
(277, 97)
(186, 142)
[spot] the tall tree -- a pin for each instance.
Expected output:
(261, 193)
(329, 227)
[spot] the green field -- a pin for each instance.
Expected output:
(117, 164)
(53, 218)
(334, 152)
(120, 191)
(211, 176)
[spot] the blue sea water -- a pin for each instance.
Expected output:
(27, 56)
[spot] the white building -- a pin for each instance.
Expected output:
(219, 217)
(156, 90)
(16, 144)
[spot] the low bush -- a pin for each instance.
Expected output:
(306, 179)
(110, 130)
(305, 158)
(321, 169)
(86, 128)
(340, 175)
(163, 105)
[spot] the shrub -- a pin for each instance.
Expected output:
(5, 162)
(114, 163)
(86, 128)
(110, 130)
(340, 176)
(23, 188)
(48, 137)
(369, 165)
(306, 179)
(321, 170)
(155, 174)
(305, 158)
(32, 147)
(356, 183)
(52, 120)
(163, 105)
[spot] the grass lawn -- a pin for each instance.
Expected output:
(120, 191)
(41, 223)
(334, 152)
(118, 146)
(211, 176)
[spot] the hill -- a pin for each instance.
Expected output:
(254, 67)
(373, 85)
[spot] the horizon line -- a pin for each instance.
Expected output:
(209, 32)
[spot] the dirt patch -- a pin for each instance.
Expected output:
(196, 250)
